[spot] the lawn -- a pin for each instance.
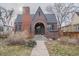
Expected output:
(57, 49)
(17, 50)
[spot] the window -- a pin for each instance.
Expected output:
(50, 27)
(39, 13)
(18, 27)
(77, 27)
(1, 28)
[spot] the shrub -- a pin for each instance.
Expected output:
(21, 35)
(17, 38)
(73, 41)
(18, 35)
(4, 35)
(67, 40)
(15, 42)
(30, 36)
(31, 43)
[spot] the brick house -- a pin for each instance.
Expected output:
(38, 23)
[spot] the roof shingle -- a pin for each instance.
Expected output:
(50, 18)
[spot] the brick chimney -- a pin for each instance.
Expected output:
(26, 10)
(26, 20)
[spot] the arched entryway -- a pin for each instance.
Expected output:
(39, 28)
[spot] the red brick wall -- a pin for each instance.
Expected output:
(26, 19)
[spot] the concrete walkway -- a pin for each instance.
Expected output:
(40, 49)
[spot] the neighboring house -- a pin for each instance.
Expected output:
(73, 27)
(38, 23)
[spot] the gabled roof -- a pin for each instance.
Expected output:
(50, 18)
(75, 19)
(39, 10)
(19, 18)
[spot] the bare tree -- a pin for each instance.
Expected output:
(63, 12)
(5, 16)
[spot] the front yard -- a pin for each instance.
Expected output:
(16, 50)
(16, 45)
(55, 48)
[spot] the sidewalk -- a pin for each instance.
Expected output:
(40, 49)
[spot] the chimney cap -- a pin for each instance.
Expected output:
(26, 10)
(26, 7)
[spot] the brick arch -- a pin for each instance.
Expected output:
(39, 28)
(39, 21)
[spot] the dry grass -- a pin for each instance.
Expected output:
(55, 48)
(68, 40)
(19, 50)
(18, 35)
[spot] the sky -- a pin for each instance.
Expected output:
(33, 7)
(18, 7)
